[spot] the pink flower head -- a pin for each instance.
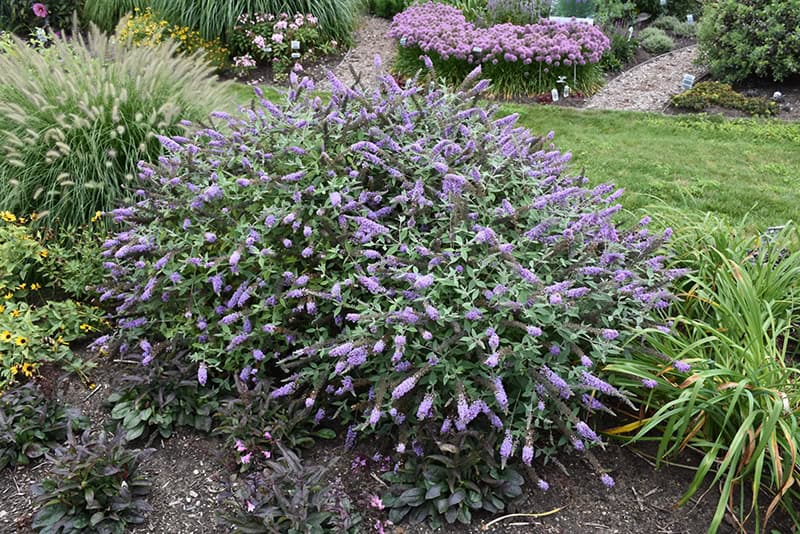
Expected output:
(376, 502)
(40, 10)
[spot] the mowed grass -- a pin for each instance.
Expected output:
(745, 171)
(742, 170)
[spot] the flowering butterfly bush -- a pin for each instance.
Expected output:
(400, 260)
(520, 60)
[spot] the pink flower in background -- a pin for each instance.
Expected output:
(277, 37)
(40, 10)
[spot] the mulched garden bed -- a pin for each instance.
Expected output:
(189, 473)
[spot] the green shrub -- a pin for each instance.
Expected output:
(462, 479)
(161, 397)
(621, 52)
(289, 496)
(671, 24)
(74, 122)
(679, 8)
(217, 18)
(93, 485)
(737, 325)
(655, 40)
(754, 38)
(707, 94)
(31, 424)
(387, 8)
(277, 249)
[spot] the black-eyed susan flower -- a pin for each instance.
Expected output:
(97, 216)
(21, 341)
(27, 369)
(5, 335)
(43, 253)
(15, 313)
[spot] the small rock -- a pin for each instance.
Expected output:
(777, 96)
(193, 494)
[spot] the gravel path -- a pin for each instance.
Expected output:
(648, 86)
(371, 40)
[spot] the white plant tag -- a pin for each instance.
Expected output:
(688, 81)
(295, 45)
(690, 19)
(630, 32)
(554, 94)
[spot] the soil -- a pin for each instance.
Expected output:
(189, 473)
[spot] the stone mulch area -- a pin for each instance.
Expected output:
(649, 85)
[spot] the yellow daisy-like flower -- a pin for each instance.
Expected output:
(36, 287)
(21, 341)
(15, 313)
(27, 369)
(15, 369)
(23, 285)
(85, 327)
(9, 296)
(2, 308)
(97, 216)
(43, 253)
(34, 216)
(8, 216)
(5, 335)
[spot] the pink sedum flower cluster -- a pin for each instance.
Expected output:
(443, 30)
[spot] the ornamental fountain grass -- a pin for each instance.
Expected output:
(397, 261)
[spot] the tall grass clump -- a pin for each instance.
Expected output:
(217, 18)
(74, 121)
(738, 325)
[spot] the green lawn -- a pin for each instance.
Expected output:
(737, 169)
(742, 170)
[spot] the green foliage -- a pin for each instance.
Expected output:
(161, 396)
(655, 40)
(755, 38)
(707, 94)
(738, 326)
(217, 18)
(451, 485)
(289, 496)
(75, 122)
(679, 8)
(254, 421)
(31, 424)
(93, 485)
(18, 16)
(621, 52)
(387, 8)
(671, 24)
(614, 11)
(34, 329)
(74, 264)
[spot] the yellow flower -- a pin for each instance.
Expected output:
(43, 253)
(9, 295)
(97, 216)
(36, 287)
(8, 216)
(22, 285)
(27, 369)
(2, 308)
(15, 369)
(15, 313)
(34, 216)
(85, 327)
(5, 335)
(21, 341)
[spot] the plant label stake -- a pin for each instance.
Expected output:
(630, 32)
(566, 91)
(403, 41)
(554, 94)
(268, 49)
(663, 3)
(687, 82)
(690, 19)
(477, 50)
(295, 45)
(295, 55)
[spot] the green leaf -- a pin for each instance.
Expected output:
(433, 492)
(325, 433)
(49, 515)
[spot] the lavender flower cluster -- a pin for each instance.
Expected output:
(398, 258)
(443, 30)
